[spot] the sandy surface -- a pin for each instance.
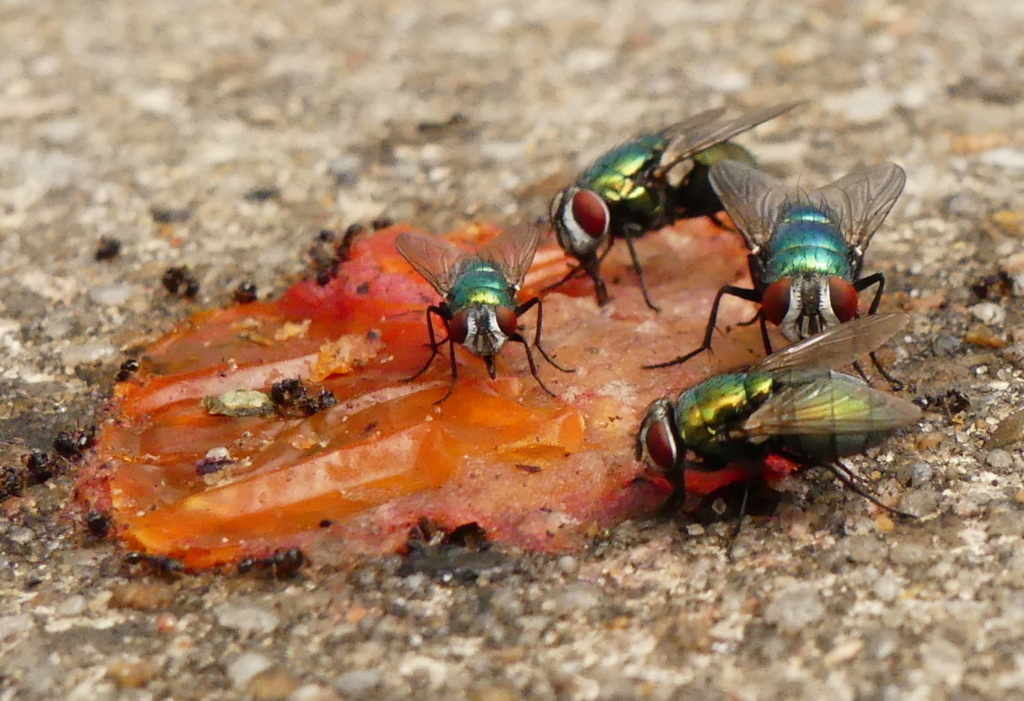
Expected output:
(116, 115)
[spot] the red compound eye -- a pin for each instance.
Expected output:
(661, 445)
(843, 297)
(775, 302)
(590, 213)
(507, 321)
(458, 327)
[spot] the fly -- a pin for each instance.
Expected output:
(791, 404)
(478, 291)
(644, 184)
(806, 249)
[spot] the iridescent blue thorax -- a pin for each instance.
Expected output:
(806, 241)
(481, 283)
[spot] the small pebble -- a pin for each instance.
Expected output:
(359, 682)
(863, 549)
(1005, 522)
(10, 625)
(245, 667)
(920, 503)
(132, 674)
(272, 684)
(988, 313)
(141, 596)
(887, 587)
(910, 554)
(247, 619)
(579, 597)
(999, 459)
(795, 608)
(314, 692)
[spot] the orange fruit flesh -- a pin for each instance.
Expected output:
(532, 470)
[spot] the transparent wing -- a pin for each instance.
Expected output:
(836, 346)
(863, 199)
(513, 251)
(832, 405)
(436, 259)
(753, 199)
(704, 130)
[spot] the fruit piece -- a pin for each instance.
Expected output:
(358, 475)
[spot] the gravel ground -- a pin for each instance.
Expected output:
(224, 136)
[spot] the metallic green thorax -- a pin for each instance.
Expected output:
(619, 176)
(806, 240)
(704, 412)
(481, 283)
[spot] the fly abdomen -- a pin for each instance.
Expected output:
(806, 240)
(831, 447)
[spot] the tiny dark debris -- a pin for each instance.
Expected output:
(282, 564)
(10, 482)
(245, 293)
(107, 248)
(178, 280)
(170, 215)
(993, 286)
(531, 469)
(344, 250)
(952, 402)
(261, 194)
(98, 524)
(291, 398)
(127, 369)
(460, 555)
(40, 466)
(457, 119)
(71, 446)
(166, 567)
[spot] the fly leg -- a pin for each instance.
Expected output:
(851, 480)
(628, 236)
(518, 338)
(591, 266)
(442, 313)
(739, 521)
(877, 280)
(709, 330)
(525, 307)
(455, 371)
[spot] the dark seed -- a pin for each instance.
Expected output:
(177, 280)
(10, 482)
(107, 248)
(245, 293)
(170, 215)
(40, 465)
(98, 524)
(127, 369)
(262, 194)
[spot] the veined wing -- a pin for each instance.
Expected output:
(836, 346)
(704, 130)
(863, 199)
(831, 405)
(436, 259)
(753, 199)
(512, 251)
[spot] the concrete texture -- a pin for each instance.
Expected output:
(115, 115)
